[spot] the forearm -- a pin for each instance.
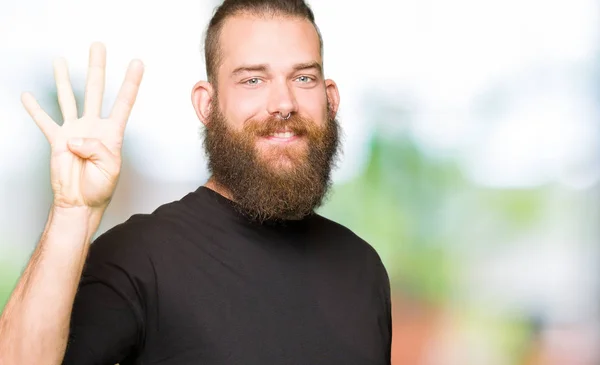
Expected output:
(35, 324)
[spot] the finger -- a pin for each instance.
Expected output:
(66, 98)
(95, 151)
(39, 116)
(128, 92)
(94, 86)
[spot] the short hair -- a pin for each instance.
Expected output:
(231, 8)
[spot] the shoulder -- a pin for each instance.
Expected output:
(346, 238)
(332, 228)
(168, 228)
(138, 237)
(355, 250)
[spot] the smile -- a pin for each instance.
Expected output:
(282, 136)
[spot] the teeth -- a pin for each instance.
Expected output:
(283, 135)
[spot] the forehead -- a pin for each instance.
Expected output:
(278, 41)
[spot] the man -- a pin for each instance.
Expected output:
(240, 271)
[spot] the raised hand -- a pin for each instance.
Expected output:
(86, 151)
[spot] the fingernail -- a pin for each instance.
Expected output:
(76, 142)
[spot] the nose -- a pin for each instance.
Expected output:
(282, 99)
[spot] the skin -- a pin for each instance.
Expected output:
(86, 160)
(85, 164)
(270, 65)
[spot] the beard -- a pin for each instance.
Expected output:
(272, 182)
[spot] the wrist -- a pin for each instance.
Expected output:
(79, 220)
(77, 212)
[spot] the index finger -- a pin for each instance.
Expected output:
(40, 117)
(128, 92)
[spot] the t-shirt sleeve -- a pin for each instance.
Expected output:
(386, 290)
(104, 329)
(107, 321)
(383, 286)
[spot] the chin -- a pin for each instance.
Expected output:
(281, 164)
(282, 156)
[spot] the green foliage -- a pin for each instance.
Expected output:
(398, 206)
(420, 213)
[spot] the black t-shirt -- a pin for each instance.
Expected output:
(196, 283)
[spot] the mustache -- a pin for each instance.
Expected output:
(297, 124)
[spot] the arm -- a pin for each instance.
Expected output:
(85, 163)
(35, 322)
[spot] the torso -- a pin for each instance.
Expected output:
(230, 292)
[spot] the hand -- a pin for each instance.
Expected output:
(86, 152)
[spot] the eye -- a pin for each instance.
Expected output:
(253, 81)
(304, 79)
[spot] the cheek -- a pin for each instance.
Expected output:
(240, 106)
(313, 105)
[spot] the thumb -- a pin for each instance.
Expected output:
(95, 151)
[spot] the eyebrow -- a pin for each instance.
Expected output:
(250, 68)
(265, 68)
(309, 65)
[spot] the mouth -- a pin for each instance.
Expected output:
(282, 136)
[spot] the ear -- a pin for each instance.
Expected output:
(202, 95)
(333, 96)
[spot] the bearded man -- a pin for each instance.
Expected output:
(240, 271)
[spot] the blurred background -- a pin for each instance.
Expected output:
(471, 154)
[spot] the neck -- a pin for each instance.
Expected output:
(213, 185)
(219, 189)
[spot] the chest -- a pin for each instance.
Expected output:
(266, 307)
